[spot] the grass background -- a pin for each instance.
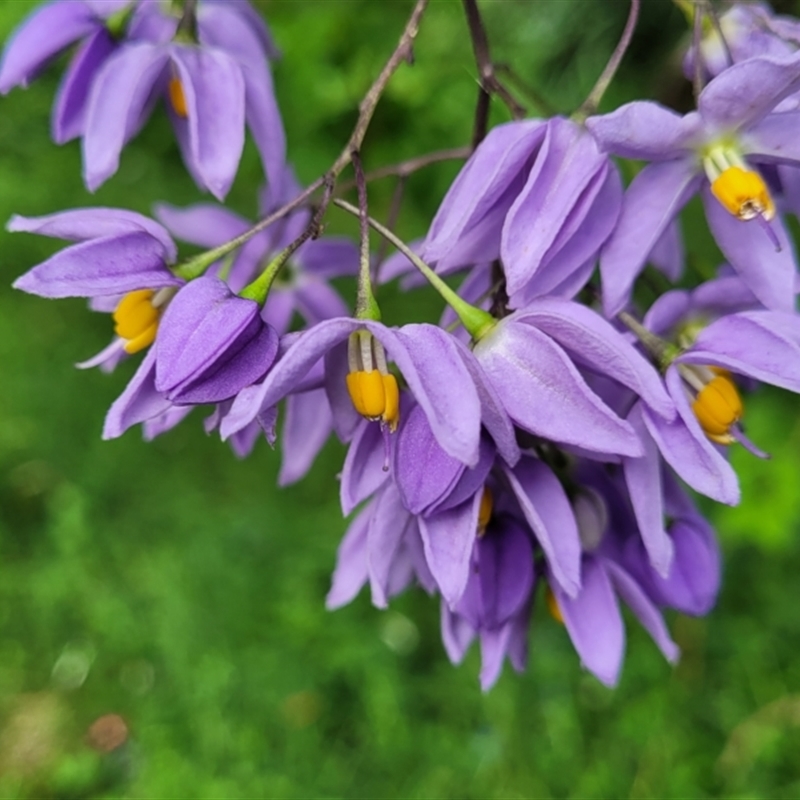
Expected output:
(175, 586)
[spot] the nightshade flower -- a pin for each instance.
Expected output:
(529, 358)
(49, 30)
(212, 86)
(539, 195)
(759, 344)
(496, 604)
(592, 618)
(713, 151)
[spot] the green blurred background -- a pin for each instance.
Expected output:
(170, 596)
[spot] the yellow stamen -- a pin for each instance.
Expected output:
(485, 510)
(391, 411)
(136, 319)
(552, 605)
(177, 98)
(717, 407)
(743, 193)
(367, 393)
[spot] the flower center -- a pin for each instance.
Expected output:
(552, 605)
(739, 189)
(177, 98)
(372, 388)
(717, 404)
(485, 510)
(136, 317)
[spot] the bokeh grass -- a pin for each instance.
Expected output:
(174, 586)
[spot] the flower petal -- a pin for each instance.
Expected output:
(751, 252)
(69, 109)
(448, 538)
(549, 513)
(544, 393)
(41, 37)
(110, 265)
(351, 571)
(646, 130)
(594, 343)
(214, 89)
(594, 622)
(652, 201)
(746, 92)
(119, 95)
(204, 224)
(363, 471)
(307, 426)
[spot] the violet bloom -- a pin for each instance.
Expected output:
(212, 86)
(540, 196)
(51, 29)
(303, 285)
(531, 359)
(758, 344)
(592, 618)
(712, 151)
(496, 604)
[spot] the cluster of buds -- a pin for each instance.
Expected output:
(536, 444)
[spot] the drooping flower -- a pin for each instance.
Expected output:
(540, 196)
(713, 150)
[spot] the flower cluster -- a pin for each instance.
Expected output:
(536, 445)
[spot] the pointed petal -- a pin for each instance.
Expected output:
(204, 224)
(111, 265)
(549, 513)
(643, 479)
(752, 254)
(69, 110)
(746, 92)
(494, 644)
(363, 472)
(457, 634)
(645, 611)
(214, 89)
(448, 538)
(40, 37)
(329, 257)
(774, 139)
(387, 528)
(351, 563)
(307, 426)
(430, 361)
(668, 254)
(647, 131)
(652, 201)
(139, 402)
(688, 450)
(571, 166)
(81, 224)
(594, 623)
(118, 97)
(485, 188)
(596, 344)
(544, 393)
(752, 343)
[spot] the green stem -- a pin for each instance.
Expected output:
(259, 288)
(476, 321)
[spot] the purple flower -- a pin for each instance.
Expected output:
(48, 31)
(540, 196)
(303, 285)
(211, 344)
(529, 359)
(496, 603)
(710, 150)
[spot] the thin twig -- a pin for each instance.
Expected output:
(366, 110)
(592, 102)
(365, 299)
(712, 12)
(391, 222)
(697, 38)
(532, 94)
(489, 82)
(405, 168)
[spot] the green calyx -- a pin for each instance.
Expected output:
(117, 23)
(258, 290)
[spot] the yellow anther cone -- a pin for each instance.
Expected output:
(134, 314)
(367, 392)
(743, 193)
(552, 605)
(718, 406)
(485, 510)
(177, 98)
(391, 410)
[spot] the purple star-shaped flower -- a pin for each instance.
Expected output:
(732, 129)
